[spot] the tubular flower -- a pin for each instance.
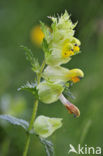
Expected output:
(49, 92)
(70, 107)
(61, 41)
(67, 50)
(76, 45)
(58, 73)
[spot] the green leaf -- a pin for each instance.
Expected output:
(45, 126)
(29, 56)
(46, 40)
(15, 121)
(53, 26)
(43, 26)
(48, 146)
(46, 31)
(31, 87)
(45, 47)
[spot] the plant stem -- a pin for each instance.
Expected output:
(30, 127)
(39, 74)
(33, 113)
(26, 145)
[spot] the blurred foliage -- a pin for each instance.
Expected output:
(17, 20)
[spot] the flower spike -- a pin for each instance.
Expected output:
(59, 45)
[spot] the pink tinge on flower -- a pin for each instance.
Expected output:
(71, 107)
(73, 110)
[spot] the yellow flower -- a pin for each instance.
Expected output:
(60, 41)
(75, 75)
(37, 35)
(76, 43)
(76, 48)
(67, 50)
(61, 74)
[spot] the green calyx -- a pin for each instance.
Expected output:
(44, 126)
(49, 92)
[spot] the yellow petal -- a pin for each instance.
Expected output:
(76, 49)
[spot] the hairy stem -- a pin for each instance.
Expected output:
(33, 113)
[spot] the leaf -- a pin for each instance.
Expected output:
(31, 87)
(85, 130)
(46, 30)
(47, 34)
(29, 56)
(53, 26)
(15, 121)
(48, 146)
(45, 47)
(28, 53)
(43, 26)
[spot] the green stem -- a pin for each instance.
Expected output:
(33, 114)
(26, 145)
(40, 73)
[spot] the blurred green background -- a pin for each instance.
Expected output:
(17, 18)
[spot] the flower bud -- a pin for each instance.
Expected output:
(45, 126)
(76, 45)
(49, 92)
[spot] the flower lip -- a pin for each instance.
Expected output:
(77, 72)
(76, 48)
(75, 79)
(67, 53)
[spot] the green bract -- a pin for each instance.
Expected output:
(49, 92)
(45, 126)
